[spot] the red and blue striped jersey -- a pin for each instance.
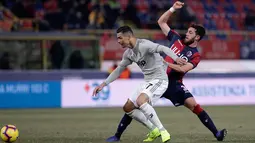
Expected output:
(190, 54)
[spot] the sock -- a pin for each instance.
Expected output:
(140, 117)
(151, 114)
(125, 121)
(205, 119)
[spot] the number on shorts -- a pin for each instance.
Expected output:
(149, 85)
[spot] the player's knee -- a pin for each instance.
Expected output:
(143, 98)
(190, 103)
(128, 107)
(197, 109)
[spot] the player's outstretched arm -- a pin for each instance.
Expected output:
(157, 48)
(162, 21)
(171, 54)
(114, 75)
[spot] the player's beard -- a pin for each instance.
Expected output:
(188, 42)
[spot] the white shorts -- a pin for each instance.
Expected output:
(154, 89)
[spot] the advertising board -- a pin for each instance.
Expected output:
(218, 91)
(30, 94)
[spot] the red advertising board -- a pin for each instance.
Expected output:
(216, 49)
(219, 49)
(112, 50)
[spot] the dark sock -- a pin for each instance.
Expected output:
(207, 121)
(125, 121)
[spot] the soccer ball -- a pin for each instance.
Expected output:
(9, 133)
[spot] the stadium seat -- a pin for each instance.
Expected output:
(252, 37)
(216, 2)
(223, 14)
(207, 24)
(144, 17)
(230, 8)
(229, 1)
(213, 25)
(222, 2)
(251, 28)
(235, 37)
(245, 8)
(208, 16)
(206, 37)
(232, 24)
(212, 37)
(221, 36)
(200, 18)
(246, 1)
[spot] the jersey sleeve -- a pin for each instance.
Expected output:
(125, 60)
(121, 67)
(195, 60)
(157, 48)
(172, 36)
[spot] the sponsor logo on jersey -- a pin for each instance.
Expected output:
(141, 63)
(178, 53)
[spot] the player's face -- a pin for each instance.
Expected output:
(123, 40)
(190, 36)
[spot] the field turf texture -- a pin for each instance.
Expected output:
(87, 125)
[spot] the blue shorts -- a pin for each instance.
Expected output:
(177, 93)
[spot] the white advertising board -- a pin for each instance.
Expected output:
(218, 91)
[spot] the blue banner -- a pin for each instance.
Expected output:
(30, 94)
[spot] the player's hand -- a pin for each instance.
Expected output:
(178, 5)
(181, 61)
(98, 88)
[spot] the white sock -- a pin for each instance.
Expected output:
(151, 114)
(140, 117)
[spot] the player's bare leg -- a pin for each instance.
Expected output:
(191, 104)
(143, 103)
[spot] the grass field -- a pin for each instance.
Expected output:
(95, 125)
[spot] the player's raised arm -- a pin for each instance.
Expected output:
(162, 22)
(114, 75)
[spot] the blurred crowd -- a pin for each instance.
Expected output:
(63, 15)
(45, 15)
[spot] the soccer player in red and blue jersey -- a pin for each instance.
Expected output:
(176, 92)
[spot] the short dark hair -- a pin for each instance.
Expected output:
(124, 29)
(200, 30)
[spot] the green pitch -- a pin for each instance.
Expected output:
(95, 125)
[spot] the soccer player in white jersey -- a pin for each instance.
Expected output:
(146, 55)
